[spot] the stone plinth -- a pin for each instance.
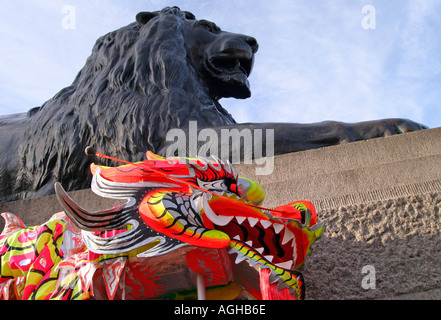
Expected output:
(381, 201)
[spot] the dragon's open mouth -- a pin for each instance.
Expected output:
(263, 240)
(266, 241)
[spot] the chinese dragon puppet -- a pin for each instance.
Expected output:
(181, 220)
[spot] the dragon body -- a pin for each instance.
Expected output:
(179, 219)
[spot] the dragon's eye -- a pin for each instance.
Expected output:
(233, 187)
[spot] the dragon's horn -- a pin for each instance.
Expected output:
(107, 219)
(12, 224)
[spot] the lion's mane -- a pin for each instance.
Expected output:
(137, 84)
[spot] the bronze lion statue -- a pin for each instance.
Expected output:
(153, 75)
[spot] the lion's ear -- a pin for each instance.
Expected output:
(143, 17)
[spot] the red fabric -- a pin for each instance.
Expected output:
(270, 291)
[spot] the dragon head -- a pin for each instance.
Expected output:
(175, 202)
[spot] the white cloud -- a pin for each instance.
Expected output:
(339, 71)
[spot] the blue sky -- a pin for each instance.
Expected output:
(316, 61)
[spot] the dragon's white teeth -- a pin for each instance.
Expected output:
(232, 250)
(269, 258)
(249, 243)
(294, 251)
(265, 223)
(293, 244)
(253, 262)
(253, 221)
(285, 265)
(278, 227)
(260, 250)
(240, 258)
(282, 285)
(287, 236)
(236, 237)
(240, 219)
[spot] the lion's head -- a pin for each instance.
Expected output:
(157, 73)
(222, 59)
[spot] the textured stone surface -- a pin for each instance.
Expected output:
(358, 172)
(400, 238)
